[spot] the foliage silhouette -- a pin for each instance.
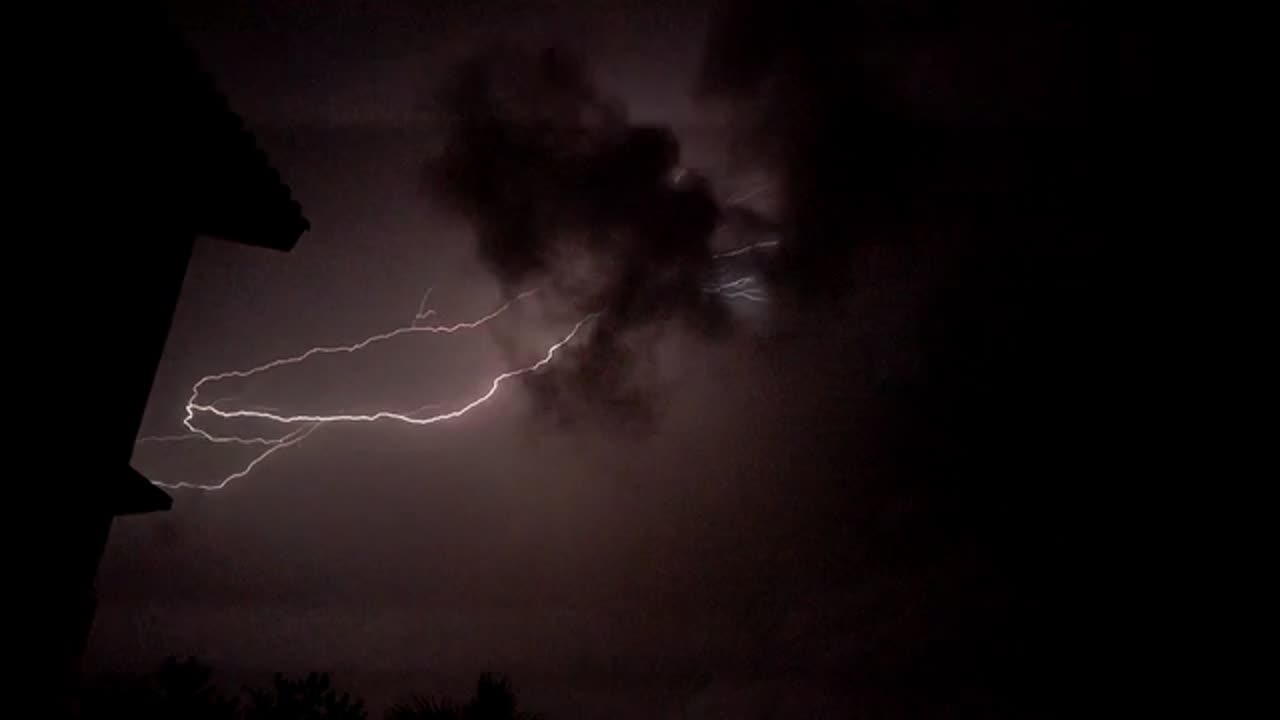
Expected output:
(179, 689)
(183, 690)
(425, 708)
(310, 698)
(495, 699)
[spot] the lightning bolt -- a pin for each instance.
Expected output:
(746, 287)
(193, 407)
(745, 195)
(277, 445)
(424, 312)
(753, 247)
(297, 427)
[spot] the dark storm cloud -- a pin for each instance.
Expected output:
(884, 118)
(565, 193)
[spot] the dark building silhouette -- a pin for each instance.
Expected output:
(159, 160)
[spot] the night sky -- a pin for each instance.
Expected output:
(857, 496)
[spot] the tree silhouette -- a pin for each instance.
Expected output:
(184, 689)
(494, 700)
(310, 698)
(179, 689)
(420, 708)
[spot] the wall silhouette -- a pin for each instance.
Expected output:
(161, 159)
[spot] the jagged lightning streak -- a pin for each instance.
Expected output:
(311, 422)
(356, 347)
(277, 445)
(743, 288)
(424, 312)
(298, 427)
(746, 287)
(408, 418)
(762, 245)
(308, 424)
(745, 195)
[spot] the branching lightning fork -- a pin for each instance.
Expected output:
(302, 426)
(297, 427)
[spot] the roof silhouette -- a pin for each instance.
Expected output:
(139, 154)
(208, 177)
